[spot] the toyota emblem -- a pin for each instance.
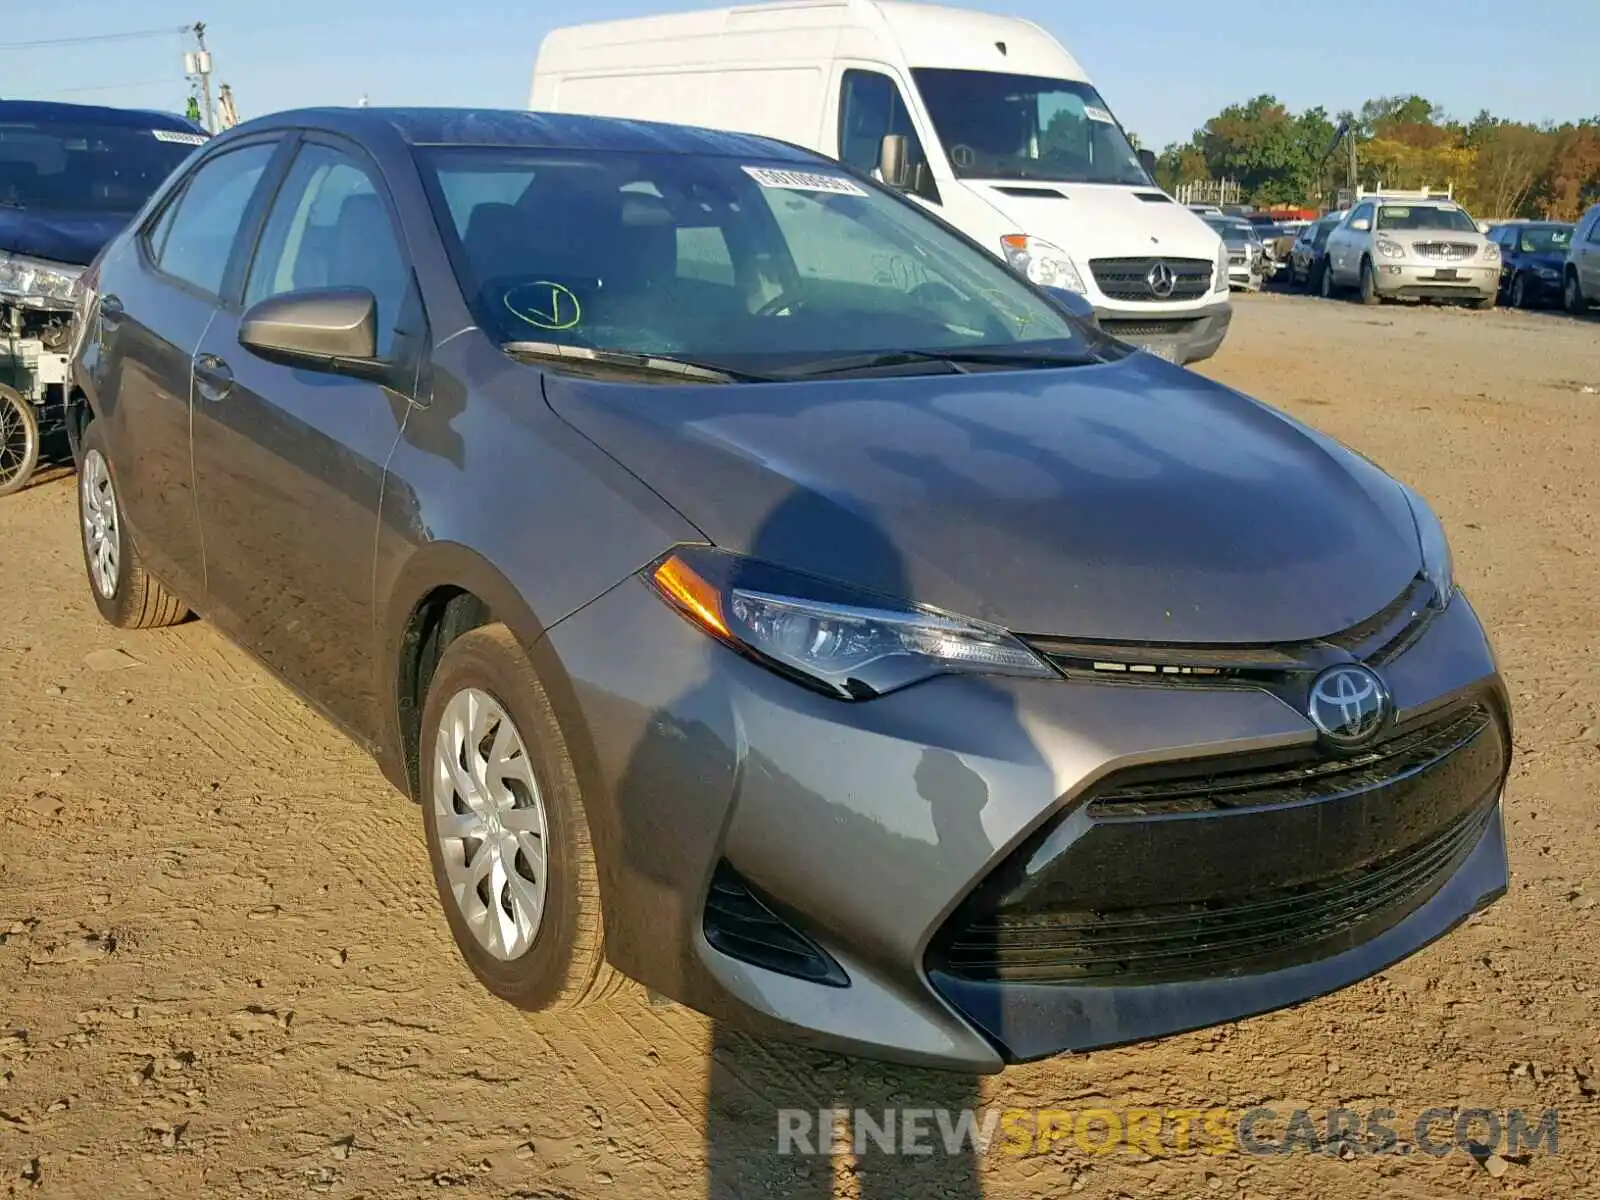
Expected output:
(1161, 280)
(1348, 705)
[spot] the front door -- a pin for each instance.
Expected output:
(288, 461)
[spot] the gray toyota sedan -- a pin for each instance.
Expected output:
(770, 599)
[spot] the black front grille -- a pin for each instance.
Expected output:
(1234, 864)
(1296, 777)
(1129, 278)
(1186, 941)
(741, 925)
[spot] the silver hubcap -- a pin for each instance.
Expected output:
(102, 536)
(491, 822)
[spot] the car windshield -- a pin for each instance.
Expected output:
(85, 167)
(1545, 239)
(1233, 232)
(721, 261)
(996, 126)
(1396, 217)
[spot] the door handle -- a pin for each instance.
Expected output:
(213, 377)
(110, 312)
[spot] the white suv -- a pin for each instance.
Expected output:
(1581, 279)
(1412, 250)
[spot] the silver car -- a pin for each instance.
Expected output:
(1246, 254)
(1581, 273)
(769, 597)
(1406, 249)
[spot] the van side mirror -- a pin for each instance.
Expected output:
(1147, 160)
(894, 161)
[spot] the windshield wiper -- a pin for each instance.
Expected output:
(958, 359)
(662, 364)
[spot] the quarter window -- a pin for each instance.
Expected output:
(194, 238)
(329, 228)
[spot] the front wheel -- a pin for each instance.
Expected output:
(1519, 291)
(126, 594)
(19, 441)
(1369, 284)
(1324, 277)
(1572, 294)
(506, 830)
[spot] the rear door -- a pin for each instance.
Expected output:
(157, 298)
(288, 460)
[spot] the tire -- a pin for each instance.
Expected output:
(19, 441)
(1572, 294)
(1518, 295)
(556, 960)
(1322, 276)
(127, 595)
(1369, 284)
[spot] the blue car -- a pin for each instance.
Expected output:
(1532, 254)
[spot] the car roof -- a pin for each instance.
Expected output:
(51, 110)
(534, 131)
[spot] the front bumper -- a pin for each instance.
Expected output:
(867, 827)
(1184, 337)
(1423, 281)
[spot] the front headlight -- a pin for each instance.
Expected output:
(1220, 279)
(838, 641)
(1391, 249)
(1042, 263)
(36, 282)
(1549, 274)
(1438, 567)
(1491, 253)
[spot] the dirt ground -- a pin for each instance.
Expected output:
(223, 971)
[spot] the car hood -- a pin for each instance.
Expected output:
(62, 237)
(1112, 220)
(1124, 501)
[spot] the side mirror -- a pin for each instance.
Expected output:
(1361, 225)
(1483, 227)
(1147, 160)
(893, 161)
(1073, 303)
(320, 327)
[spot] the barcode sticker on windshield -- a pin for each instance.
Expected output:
(177, 135)
(805, 181)
(1098, 114)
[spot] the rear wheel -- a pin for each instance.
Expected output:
(124, 592)
(506, 829)
(1369, 283)
(19, 441)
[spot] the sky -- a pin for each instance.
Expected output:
(1164, 66)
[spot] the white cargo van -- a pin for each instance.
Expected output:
(987, 121)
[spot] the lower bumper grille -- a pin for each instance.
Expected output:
(742, 926)
(1202, 870)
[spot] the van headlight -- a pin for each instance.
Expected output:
(1042, 263)
(38, 283)
(828, 637)
(1220, 279)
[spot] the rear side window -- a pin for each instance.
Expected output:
(193, 239)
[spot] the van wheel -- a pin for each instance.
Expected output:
(1369, 284)
(126, 595)
(19, 441)
(506, 830)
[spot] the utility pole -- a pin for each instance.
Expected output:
(1354, 170)
(202, 68)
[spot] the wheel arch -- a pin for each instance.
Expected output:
(445, 590)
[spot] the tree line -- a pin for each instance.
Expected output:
(1498, 168)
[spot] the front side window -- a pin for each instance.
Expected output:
(329, 228)
(197, 232)
(997, 126)
(86, 166)
(1395, 218)
(719, 260)
(871, 108)
(1363, 213)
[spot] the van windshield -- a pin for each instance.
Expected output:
(723, 261)
(997, 126)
